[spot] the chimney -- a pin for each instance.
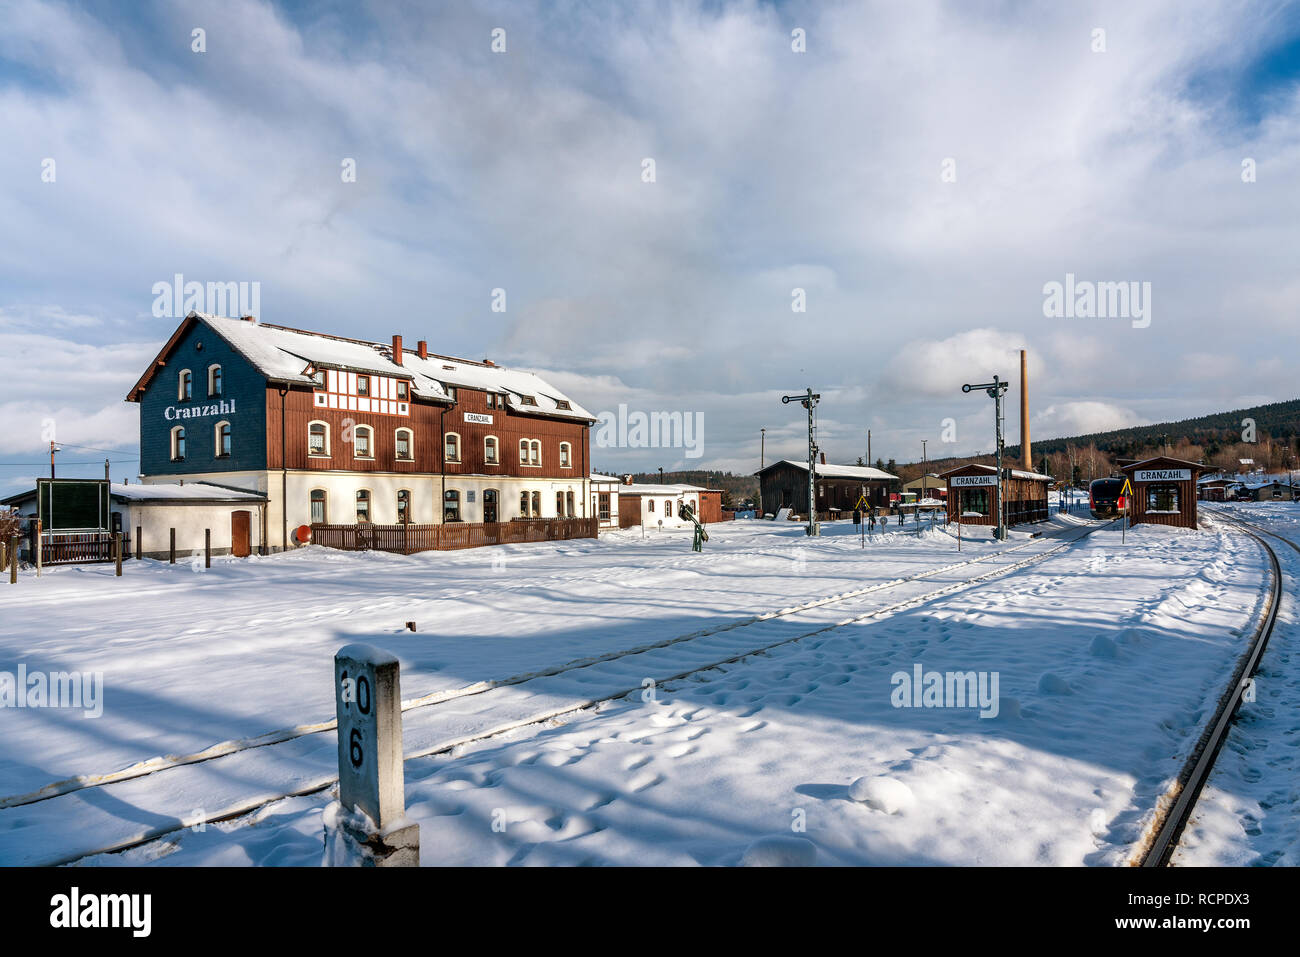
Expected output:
(397, 349)
(490, 363)
(252, 319)
(422, 349)
(627, 479)
(1025, 452)
(823, 458)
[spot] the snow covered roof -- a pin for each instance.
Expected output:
(839, 471)
(284, 355)
(603, 479)
(1015, 473)
(180, 494)
(658, 489)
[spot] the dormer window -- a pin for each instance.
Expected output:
(403, 390)
(318, 378)
(527, 400)
(563, 404)
(363, 385)
(451, 391)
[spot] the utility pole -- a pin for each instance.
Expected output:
(996, 390)
(808, 400)
(53, 448)
(869, 448)
(762, 449)
(924, 472)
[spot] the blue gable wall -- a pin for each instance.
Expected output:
(243, 386)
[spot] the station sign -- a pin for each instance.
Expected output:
(478, 418)
(1162, 475)
(966, 481)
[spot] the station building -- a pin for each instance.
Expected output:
(1164, 491)
(332, 430)
(973, 495)
(784, 484)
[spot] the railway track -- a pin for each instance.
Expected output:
(439, 742)
(279, 736)
(1179, 803)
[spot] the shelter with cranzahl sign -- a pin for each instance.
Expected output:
(1164, 491)
(973, 495)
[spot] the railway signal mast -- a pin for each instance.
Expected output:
(996, 390)
(809, 399)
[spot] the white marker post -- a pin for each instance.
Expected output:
(371, 826)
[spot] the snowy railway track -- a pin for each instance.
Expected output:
(279, 736)
(1178, 804)
(244, 779)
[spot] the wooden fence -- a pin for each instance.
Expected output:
(408, 539)
(81, 547)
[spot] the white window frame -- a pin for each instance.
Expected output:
(535, 445)
(216, 436)
(491, 460)
(566, 455)
(460, 449)
(182, 377)
(410, 445)
(216, 367)
(318, 455)
(370, 505)
(325, 504)
(370, 438)
(178, 435)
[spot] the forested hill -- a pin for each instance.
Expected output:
(1279, 421)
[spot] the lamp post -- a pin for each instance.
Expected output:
(808, 399)
(996, 390)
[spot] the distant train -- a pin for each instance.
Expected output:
(1105, 498)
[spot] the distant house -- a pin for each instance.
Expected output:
(1274, 490)
(784, 484)
(927, 486)
(604, 498)
(658, 505)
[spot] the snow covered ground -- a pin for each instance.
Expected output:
(1108, 658)
(1249, 811)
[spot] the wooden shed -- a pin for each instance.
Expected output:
(1164, 491)
(973, 495)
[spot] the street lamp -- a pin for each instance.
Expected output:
(809, 399)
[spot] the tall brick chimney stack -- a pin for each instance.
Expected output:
(397, 349)
(422, 349)
(1026, 454)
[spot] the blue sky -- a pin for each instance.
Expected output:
(775, 170)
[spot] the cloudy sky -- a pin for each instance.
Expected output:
(920, 170)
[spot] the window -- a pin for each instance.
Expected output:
(214, 381)
(185, 386)
(451, 505)
(523, 451)
(363, 385)
(403, 506)
(491, 455)
(559, 505)
(527, 400)
(603, 508)
(1162, 498)
(223, 440)
(565, 454)
(523, 504)
(363, 505)
(318, 512)
(568, 497)
(651, 506)
(974, 501)
(451, 445)
(318, 439)
(450, 390)
(318, 377)
(534, 452)
(403, 390)
(537, 505)
(362, 442)
(178, 444)
(563, 404)
(496, 401)
(668, 508)
(403, 445)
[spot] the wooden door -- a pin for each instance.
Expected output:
(240, 524)
(490, 505)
